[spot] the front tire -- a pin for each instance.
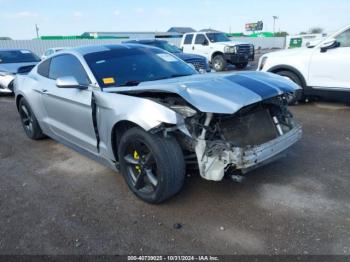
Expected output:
(299, 95)
(29, 122)
(219, 63)
(153, 166)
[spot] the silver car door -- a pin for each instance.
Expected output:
(69, 111)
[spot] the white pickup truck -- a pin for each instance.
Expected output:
(322, 69)
(218, 49)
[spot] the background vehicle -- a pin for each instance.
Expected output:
(13, 61)
(199, 62)
(321, 70)
(218, 49)
(52, 51)
(146, 111)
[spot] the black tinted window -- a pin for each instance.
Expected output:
(200, 39)
(188, 39)
(130, 66)
(68, 65)
(43, 68)
(17, 56)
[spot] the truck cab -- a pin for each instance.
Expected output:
(218, 49)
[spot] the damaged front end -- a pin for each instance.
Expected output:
(253, 136)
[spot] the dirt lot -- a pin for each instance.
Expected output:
(55, 201)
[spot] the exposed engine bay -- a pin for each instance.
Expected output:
(221, 143)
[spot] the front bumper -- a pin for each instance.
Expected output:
(261, 154)
(213, 167)
(238, 58)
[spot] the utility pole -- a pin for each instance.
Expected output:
(37, 30)
(274, 23)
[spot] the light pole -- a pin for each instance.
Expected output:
(274, 23)
(37, 30)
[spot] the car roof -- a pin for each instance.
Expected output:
(146, 41)
(83, 50)
(14, 49)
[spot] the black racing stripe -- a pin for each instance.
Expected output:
(255, 86)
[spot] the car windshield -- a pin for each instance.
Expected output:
(130, 66)
(17, 56)
(167, 47)
(217, 37)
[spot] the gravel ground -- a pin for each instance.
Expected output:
(55, 201)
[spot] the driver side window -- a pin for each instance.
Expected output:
(68, 65)
(344, 39)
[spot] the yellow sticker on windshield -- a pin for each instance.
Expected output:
(108, 80)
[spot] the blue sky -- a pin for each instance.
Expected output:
(73, 17)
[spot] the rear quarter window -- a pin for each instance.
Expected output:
(44, 68)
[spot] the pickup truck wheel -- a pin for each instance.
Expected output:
(219, 63)
(241, 65)
(153, 166)
(29, 122)
(299, 95)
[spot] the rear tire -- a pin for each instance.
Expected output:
(219, 64)
(299, 95)
(29, 122)
(241, 65)
(152, 166)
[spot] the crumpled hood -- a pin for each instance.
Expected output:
(218, 93)
(13, 67)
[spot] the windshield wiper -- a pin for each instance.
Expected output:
(179, 75)
(131, 83)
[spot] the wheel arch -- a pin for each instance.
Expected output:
(118, 130)
(291, 69)
(215, 54)
(18, 98)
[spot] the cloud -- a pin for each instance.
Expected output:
(116, 12)
(78, 14)
(25, 14)
(139, 10)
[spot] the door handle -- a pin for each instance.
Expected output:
(44, 90)
(192, 47)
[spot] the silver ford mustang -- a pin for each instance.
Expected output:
(148, 114)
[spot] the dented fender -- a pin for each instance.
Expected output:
(114, 108)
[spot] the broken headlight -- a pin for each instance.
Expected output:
(185, 111)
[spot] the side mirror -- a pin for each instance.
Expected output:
(205, 42)
(69, 82)
(329, 44)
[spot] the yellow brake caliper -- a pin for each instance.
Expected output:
(137, 157)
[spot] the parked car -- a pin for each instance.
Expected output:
(321, 70)
(218, 49)
(13, 61)
(148, 113)
(199, 62)
(51, 51)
